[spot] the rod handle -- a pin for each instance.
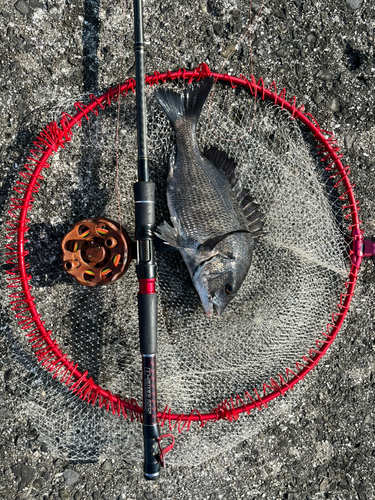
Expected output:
(147, 311)
(151, 434)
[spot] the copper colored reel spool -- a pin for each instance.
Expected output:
(96, 252)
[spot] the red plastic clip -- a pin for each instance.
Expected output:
(356, 252)
(368, 249)
(164, 451)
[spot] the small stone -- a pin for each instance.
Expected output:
(96, 495)
(58, 463)
(22, 7)
(361, 491)
(5, 413)
(343, 485)
(37, 484)
(26, 474)
(149, 495)
(64, 494)
(280, 13)
(32, 435)
(35, 4)
(354, 4)
(311, 38)
(324, 485)
(71, 477)
(323, 44)
(349, 140)
(203, 6)
(8, 374)
(7, 494)
(368, 419)
(316, 97)
(236, 15)
(228, 51)
(325, 74)
(334, 105)
(19, 440)
(78, 495)
(107, 466)
(213, 7)
(218, 29)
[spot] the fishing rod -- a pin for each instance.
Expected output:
(98, 251)
(144, 195)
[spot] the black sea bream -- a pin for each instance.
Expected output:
(214, 220)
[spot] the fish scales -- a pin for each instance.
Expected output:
(210, 228)
(198, 193)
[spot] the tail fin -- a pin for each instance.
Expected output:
(188, 104)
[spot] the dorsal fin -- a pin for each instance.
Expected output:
(254, 217)
(222, 161)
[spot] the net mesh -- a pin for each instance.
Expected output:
(297, 274)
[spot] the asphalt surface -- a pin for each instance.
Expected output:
(321, 51)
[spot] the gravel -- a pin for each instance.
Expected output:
(24, 474)
(324, 53)
(107, 466)
(22, 7)
(71, 477)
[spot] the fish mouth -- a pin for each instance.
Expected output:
(211, 307)
(210, 303)
(217, 307)
(206, 300)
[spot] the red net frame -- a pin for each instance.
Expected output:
(56, 135)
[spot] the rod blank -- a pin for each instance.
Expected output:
(147, 300)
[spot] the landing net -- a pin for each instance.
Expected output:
(213, 373)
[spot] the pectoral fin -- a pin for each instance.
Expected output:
(162, 246)
(170, 235)
(173, 237)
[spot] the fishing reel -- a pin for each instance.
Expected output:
(96, 251)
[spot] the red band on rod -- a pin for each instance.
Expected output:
(147, 286)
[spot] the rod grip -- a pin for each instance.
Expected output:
(147, 311)
(144, 197)
(151, 435)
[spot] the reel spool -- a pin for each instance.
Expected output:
(96, 252)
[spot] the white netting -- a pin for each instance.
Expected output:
(286, 301)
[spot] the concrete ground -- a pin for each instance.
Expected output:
(323, 52)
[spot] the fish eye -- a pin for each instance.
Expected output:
(229, 288)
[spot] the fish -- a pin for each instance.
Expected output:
(215, 221)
